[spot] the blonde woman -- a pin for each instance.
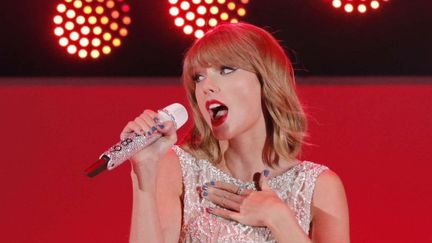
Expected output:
(237, 178)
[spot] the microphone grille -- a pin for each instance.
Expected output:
(178, 114)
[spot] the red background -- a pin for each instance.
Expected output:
(374, 132)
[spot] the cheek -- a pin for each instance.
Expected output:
(201, 105)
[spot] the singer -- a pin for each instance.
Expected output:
(237, 178)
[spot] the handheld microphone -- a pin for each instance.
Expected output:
(135, 142)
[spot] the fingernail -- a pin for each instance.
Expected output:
(149, 133)
(266, 172)
(212, 183)
(204, 188)
(204, 194)
(161, 126)
(156, 119)
(154, 129)
(210, 210)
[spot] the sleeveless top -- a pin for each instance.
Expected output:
(295, 187)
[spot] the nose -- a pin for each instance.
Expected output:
(210, 86)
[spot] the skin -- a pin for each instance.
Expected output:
(156, 212)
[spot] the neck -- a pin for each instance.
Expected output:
(242, 155)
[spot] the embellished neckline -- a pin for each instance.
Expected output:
(248, 183)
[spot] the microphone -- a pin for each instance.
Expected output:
(135, 142)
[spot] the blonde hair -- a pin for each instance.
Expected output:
(253, 49)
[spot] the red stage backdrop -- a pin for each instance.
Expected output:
(374, 132)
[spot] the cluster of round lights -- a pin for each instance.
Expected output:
(90, 28)
(195, 17)
(360, 6)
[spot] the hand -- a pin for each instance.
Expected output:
(249, 207)
(145, 161)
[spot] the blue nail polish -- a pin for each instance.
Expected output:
(205, 187)
(161, 126)
(204, 193)
(212, 183)
(154, 129)
(149, 133)
(266, 172)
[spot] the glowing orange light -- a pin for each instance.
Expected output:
(196, 17)
(82, 53)
(374, 4)
(116, 42)
(107, 36)
(231, 6)
(114, 26)
(92, 20)
(115, 14)
(214, 10)
(213, 22)
(202, 10)
(188, 29)
(99, 10)
(190, 16)
(69, 25)
(200, 22)
(362, 8)
(77, 4)
(84, 42)
(96, 42)
(179, 21)
(85, 30)
(104, 20)
(174, 11)
(110, 4)
(63, 41)
(80, 20)
(97, 30)
(74, 36)
(224, 16)
(94, 54)
(185, 5)
(61, 8)
(106, 50)
(58, 19)
(241, 12)
(70, 14)
(87, 10)
(199, 34)
(348, 8)
(72, 49)
(360, 5)
(123, 32)
(337, 3)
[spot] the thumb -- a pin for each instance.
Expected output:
(263, 180)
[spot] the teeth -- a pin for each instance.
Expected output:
(212, 106)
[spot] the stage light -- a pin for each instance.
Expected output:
(195, 17)
(90, 29)
(361, 6)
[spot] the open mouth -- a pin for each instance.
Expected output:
(218, 112)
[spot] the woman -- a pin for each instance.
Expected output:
(237, 179)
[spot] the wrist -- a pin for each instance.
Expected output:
(279, 216)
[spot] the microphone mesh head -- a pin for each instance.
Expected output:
(178, 112)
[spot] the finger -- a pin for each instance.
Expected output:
(222, 201)
(144, 127)
(227, 214)
(263, 182)
(224, 186)
(149, 121)
(225, 194)
(130, 128)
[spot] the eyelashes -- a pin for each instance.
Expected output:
(223, 70)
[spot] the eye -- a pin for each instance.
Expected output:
(227, 70)
(197, 78)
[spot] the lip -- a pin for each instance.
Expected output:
(221, 120)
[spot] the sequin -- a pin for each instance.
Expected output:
(295, 187)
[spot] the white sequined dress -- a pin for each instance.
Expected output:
(295, 187)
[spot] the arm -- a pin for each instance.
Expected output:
(330, 218)
(156, 209)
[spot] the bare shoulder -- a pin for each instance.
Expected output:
(330, 218)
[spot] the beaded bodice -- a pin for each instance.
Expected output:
(295, 187)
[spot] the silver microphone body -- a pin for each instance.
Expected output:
(135, 142)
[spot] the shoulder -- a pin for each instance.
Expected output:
(329, 190)
(329, 207)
